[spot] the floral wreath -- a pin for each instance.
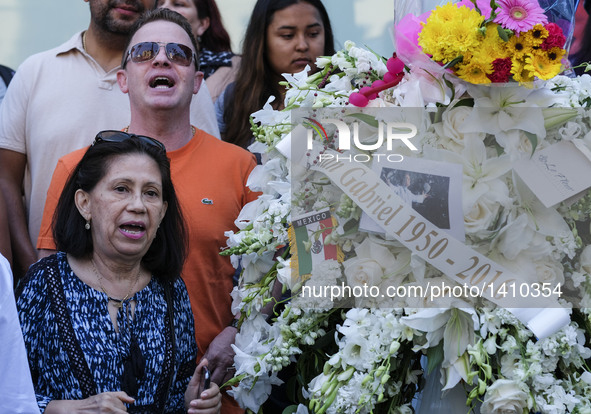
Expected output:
(380, 359)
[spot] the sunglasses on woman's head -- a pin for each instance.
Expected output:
(175, 52)
(120, 136)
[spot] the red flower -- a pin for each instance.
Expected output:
(502, 71)
(555, 37)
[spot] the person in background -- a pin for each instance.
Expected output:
(5, 248)
(584, 53)
(107, 320)
(56, 101)
(209, 175)
(18, 395)
(283, 36)
(216, 60)
(6, 75)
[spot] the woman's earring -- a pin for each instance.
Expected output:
(87, 225)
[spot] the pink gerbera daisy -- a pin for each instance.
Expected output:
(519, 15)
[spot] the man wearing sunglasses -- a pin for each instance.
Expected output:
(159, 74)
(56, 103)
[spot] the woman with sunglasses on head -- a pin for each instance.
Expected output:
(107, 320)
(283, 36)
(216, 60)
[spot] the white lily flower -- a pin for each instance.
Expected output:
(253, 394)
(270, 116)
(506, 111)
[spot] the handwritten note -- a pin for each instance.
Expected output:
(557, 173)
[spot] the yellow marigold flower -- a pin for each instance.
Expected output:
(493, 43)
(520, 72)
(434, 41)
(446, 13)
(545, 64)
(483, 55)
(450, 31)
(475, 71)
(464, 35)
(536, 35)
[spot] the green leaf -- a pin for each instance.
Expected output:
(324, 341)
(450, 86)
(502, 33)
(290, 410)
(533, 138)
(500, 150)
(350, 227)
(368, 119)
(476, 6)
(453, 62)
(377, 54)
(291, 389)
(465, 102)
(434, 357)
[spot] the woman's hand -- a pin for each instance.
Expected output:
(105, 402)
(205, 402)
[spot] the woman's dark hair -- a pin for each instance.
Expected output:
(167, 16)
(215, 38)
(166, 255)
(254, 83)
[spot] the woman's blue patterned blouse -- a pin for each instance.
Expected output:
(74, 350)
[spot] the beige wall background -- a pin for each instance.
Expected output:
(31, 26)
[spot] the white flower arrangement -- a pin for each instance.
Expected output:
(364, 360)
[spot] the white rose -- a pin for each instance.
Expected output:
(449, 131)
(481, 214)
(505, 397)
(378, 252)
(540, 270)
(549, 271)
(515, 237)
(361, 272)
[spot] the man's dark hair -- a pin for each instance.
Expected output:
(167, 253)
(167, 16)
